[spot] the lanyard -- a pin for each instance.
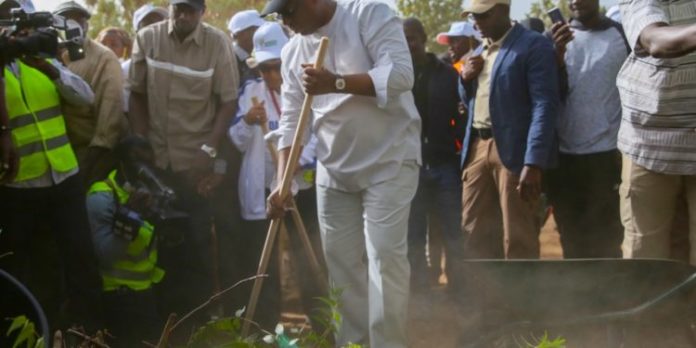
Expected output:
(275, 102)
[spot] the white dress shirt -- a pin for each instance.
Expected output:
(361, 141)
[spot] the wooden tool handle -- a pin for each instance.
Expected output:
(301, 126)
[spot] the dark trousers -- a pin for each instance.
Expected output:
(583, 191)
(131, 317)
(185, 255)
(439, 194)
(61, 208)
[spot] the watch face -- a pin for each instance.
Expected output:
(340, 84)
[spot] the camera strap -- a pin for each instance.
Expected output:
(125, 227)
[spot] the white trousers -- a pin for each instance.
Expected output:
(374, 298)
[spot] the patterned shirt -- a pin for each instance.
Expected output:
(658, 96)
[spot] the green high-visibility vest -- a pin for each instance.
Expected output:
(38, 127)
(138, 269)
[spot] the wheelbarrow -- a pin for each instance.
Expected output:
(612, 298)
(18, 300)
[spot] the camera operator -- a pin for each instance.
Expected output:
(119, 215)
(44, 187)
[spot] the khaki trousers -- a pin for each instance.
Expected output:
(650, 202)
(499, 223)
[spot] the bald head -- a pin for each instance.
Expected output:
(415, 37)
(415, 24)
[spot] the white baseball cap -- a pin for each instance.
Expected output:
(145, 11)
(614, 13)
(458, 29)
(269, 40)
(243, 20)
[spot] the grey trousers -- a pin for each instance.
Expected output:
(374, 221)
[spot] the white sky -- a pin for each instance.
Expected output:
(519, 7)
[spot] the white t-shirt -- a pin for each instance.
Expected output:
(361, 141)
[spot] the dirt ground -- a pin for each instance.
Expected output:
(434, 323)
(437, 329)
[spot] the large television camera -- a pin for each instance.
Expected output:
(163, 196)
(39, 34)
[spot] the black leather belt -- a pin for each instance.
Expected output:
(482, 133)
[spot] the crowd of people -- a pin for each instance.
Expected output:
(155, 160)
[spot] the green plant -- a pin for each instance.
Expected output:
(26, 333)
(226, 332)
(544, 342)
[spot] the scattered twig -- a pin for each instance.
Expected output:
(166, 332)
(88, 338)
(9, 253)
(212, 299)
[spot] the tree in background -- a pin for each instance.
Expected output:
(436, 16)
(120, 13)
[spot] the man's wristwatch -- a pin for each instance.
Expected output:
(211, 151)
(340, 83)
(220, 166)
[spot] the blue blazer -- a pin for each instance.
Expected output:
(524, 101)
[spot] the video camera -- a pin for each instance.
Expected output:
(162, 195)
(159, 211)
(41, 35)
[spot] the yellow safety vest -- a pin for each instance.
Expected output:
(38, 128)
(138, 269)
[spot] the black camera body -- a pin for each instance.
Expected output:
(39, 34)
(168, 221)
(159, 210)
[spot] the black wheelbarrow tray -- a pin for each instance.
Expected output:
(531, 295)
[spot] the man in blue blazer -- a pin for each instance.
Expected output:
(512, 92)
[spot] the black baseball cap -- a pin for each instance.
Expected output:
(69, 6)
(197, 4)
(273, 6)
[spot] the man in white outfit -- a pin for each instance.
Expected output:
(368, 151)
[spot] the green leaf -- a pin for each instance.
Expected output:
(17, 323)
(26, 335)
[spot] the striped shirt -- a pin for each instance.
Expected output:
(658, 96)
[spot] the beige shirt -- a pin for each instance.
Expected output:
(99, 124)
(185, 82)
(482, 113)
